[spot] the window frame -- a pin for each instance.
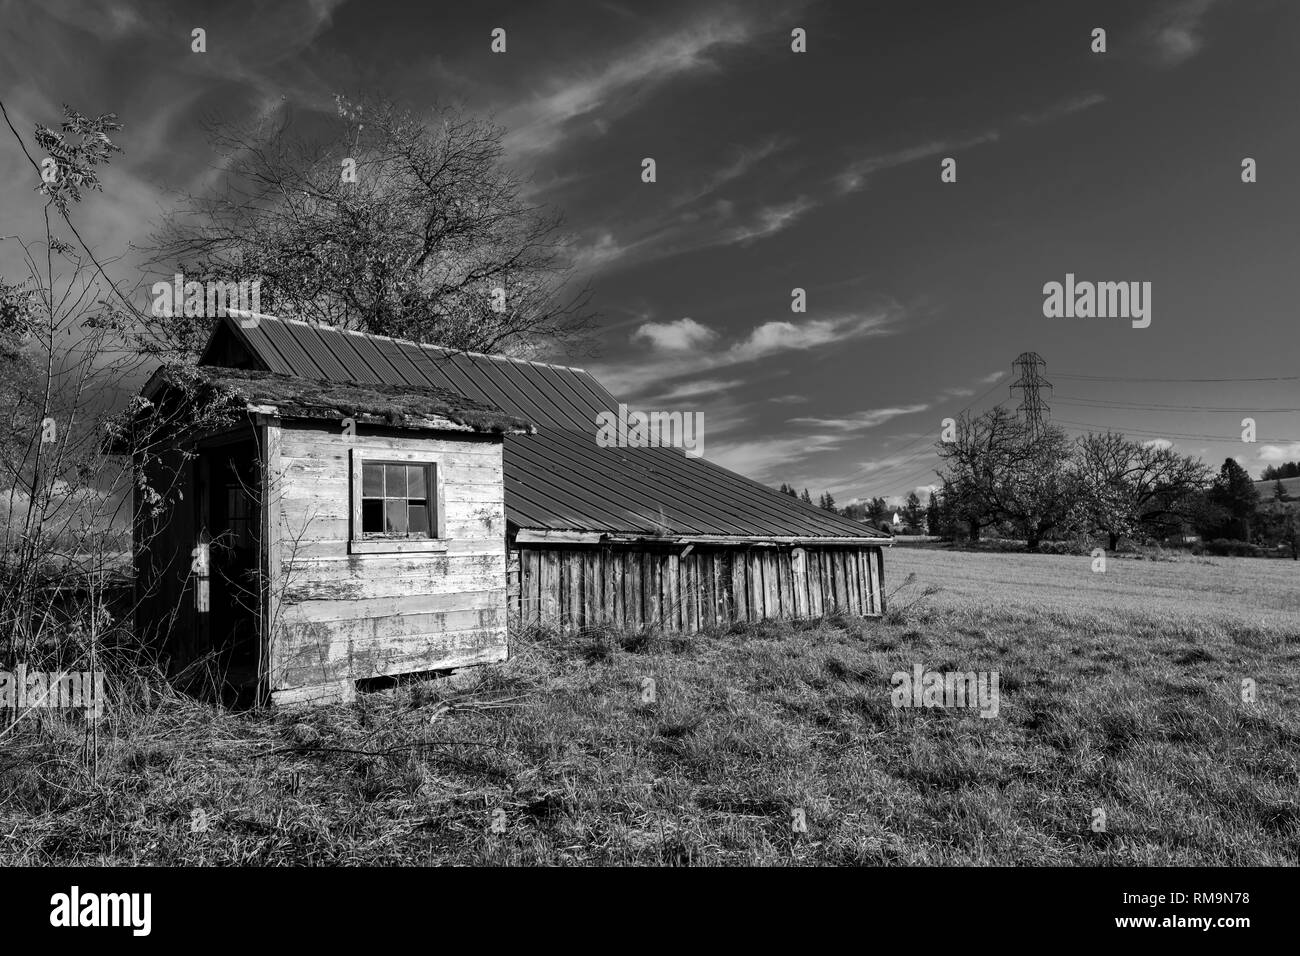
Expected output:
(374, 543)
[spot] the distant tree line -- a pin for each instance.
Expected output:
(1039, 484)
(1000, 476)
(874, 511)
(917, 518)
(1290, 469)
(826, 501)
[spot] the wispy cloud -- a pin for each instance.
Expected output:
(766, 458)
(860, 421)
(246, 74)
(801, 440)
(687, 226)
(1073, 104)
(597, 251)
(855, 175)
(770, 220)
(680, 349)
(614, 88)
(746, 159)
(687, 232)
(771, 338)
(699, 389)
(882, 470)
(1175, 32)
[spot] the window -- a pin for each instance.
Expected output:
(395, 499)
(396, 502)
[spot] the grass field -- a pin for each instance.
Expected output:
(1203, 588)
(1119, 691)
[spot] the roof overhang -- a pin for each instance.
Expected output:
(425, 423)
(408, 408)
(540, 536)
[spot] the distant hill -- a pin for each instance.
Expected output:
(1265, 488)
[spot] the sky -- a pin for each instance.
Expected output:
(778, 170)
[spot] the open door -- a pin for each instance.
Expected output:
(228, 573)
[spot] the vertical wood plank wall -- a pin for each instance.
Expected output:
(633, 586)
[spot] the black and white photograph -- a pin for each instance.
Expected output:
(646, 436)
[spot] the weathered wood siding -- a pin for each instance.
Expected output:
(340, 617)
(633, 586)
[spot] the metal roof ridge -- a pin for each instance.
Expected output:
(425, 345)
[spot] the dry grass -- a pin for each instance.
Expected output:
(1136, 711)
(1178, 586)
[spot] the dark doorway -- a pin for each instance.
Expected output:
(230, 526)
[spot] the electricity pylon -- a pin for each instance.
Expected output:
(1031, 383)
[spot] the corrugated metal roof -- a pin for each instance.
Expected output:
(558, 479)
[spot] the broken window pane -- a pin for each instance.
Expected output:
(372, 516)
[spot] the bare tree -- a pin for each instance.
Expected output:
(381, 222)
(1129, 487)
(973, 461)
(998, 469)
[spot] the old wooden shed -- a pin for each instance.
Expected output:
(324, 533)
(517, 514)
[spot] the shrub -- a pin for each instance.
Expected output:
(1226, 547)
(1064, 547)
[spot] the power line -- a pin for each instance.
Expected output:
(1151, 407)
(911, 480)
(861, 473)
(1164, 434)
(909, 462)
(906, 462)
(1031, 383)
(1145, 379)
(905, 480)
